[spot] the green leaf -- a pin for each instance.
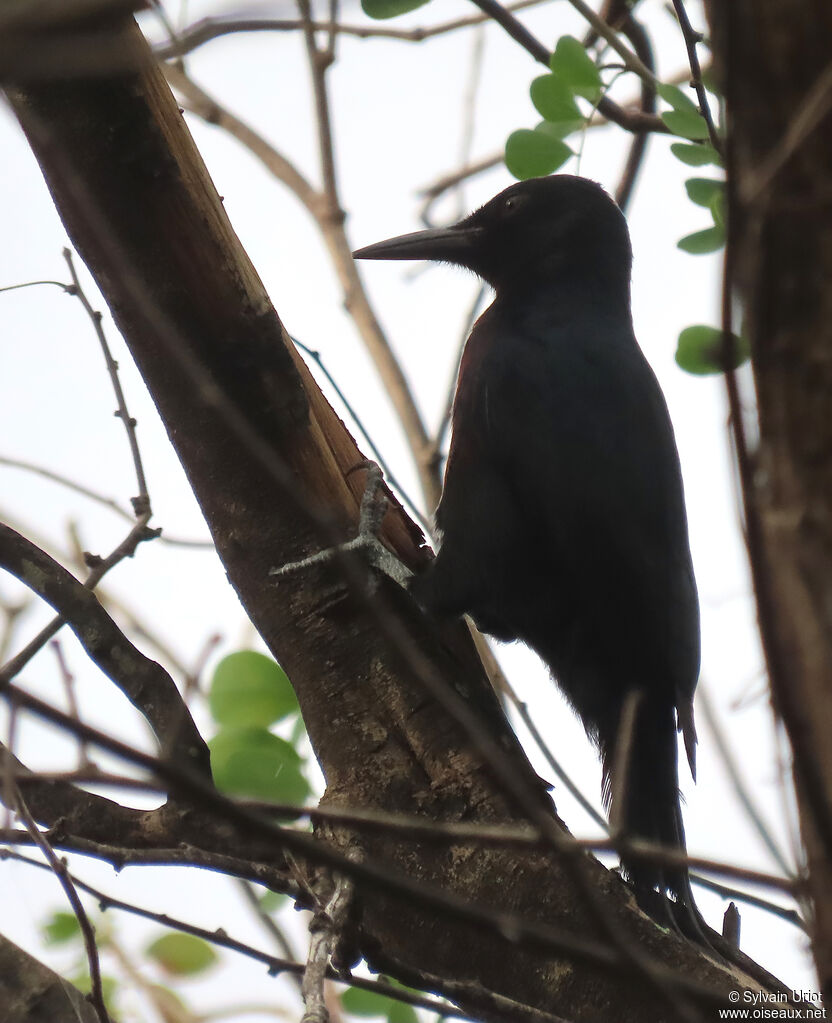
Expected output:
(401, 1012)
(674, 97)
(553, 100)
(252, 762)
(298, 731)
(365, 1003)
(533, 154)
(109, 987)
(704, 191)
(701, 242)
(554, 129)
(249, 688)
(717, 208)
(380, 9)
(182, 954)
(168, 1003)
(695, 155)
(270, 902)
(688, 124)
(700, 350)
(710, 81)
(575, 68)
(61, 927)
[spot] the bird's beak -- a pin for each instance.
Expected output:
(449, 244)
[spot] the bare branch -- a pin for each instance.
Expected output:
(60, 871)
(628, 119)
(738, 784)
(141, 503)
(99, 498)
(204, 31)
(275, 964)
(144, 682)
(324, 930)
(100, 566)
(22, 974)
(692, 38)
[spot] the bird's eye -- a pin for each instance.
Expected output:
(509, 204)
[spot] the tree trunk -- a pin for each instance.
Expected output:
(773, 59)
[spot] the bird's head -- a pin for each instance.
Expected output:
(533, 233)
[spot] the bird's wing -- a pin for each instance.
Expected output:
(598, 475)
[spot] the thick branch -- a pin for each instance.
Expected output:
(25, 982)
(330, 222)
(773, 60)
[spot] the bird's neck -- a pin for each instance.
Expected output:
(565, 297)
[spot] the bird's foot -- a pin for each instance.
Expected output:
(681, 916)
(374, 506)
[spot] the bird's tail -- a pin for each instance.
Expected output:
(641, 788)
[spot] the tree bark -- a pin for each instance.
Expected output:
(773, 59)
(32, 993)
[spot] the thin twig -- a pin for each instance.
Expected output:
(68, 680)
(8, 761)
(392, 480)
(126, 549)
(791, 916)
(416, 828)
(275, 932)
(324, 930)
(65, 481)
(112, 603)
(319, 62)
(94, 495)
(141, 503)
(738, 783)
(433, 192)
(503, 17)
(59, 869)
(11, 612)
(192, 676)
(491, 1004)
(204, 31)
(275, 964)
(469, 109)
(619, 14)
(524, 715)
(692, 38)
(183, 854)
(33, 284)
(808, 116)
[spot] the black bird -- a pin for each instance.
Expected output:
(562, 517)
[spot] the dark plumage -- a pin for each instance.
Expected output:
(562, 516)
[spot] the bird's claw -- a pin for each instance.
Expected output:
(374, 505)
